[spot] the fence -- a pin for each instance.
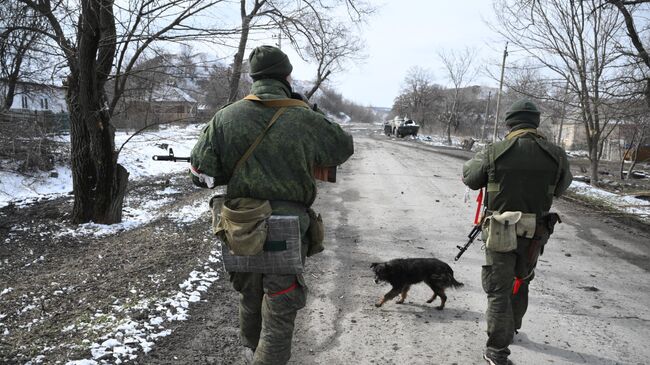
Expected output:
(23, 139)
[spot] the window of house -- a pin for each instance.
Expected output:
(181, 109)
(44, 104)
(24, 102)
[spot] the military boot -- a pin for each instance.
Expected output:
(496, 359)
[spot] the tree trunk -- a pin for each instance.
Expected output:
(238, 60)
(319, 81)
(593, 160)
(452, 115)
(99, 183)
(13, 79)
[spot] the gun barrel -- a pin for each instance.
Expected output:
(163, 158)
(170, 158)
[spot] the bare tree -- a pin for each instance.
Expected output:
(294, 19)
(417, 97)
(332, 47)
(639, 52)
(23, 54)
(634, 138)
(460, 71)
(102, 40)
(576, 41)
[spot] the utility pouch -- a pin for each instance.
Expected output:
(501, 231)
(527, 225)
(315, 233)
(242, 225)
(281, 252)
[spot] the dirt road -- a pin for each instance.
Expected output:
(588, 305)
(66, 295)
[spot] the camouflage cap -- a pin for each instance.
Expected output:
(268, 62)
(522, 111)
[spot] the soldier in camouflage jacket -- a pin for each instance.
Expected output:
(279, 170)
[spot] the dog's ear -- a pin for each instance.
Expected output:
(373, 265)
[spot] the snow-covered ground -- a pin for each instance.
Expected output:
(135, 157)
(622, 203)
(123, 336)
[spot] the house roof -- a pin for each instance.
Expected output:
(171, 93)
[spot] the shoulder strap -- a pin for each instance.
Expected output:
(560, 166)
(493, 185)
(287, 102)
(250, 149)
(521, 132)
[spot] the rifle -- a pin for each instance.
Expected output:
(170, 157)
(478, 222)
(321, 173)
(472, 235)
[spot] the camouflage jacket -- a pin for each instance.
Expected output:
(521, 173)
(281, 166)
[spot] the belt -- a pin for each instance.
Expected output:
(280, 204)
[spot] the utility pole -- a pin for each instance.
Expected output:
(496, 114)
(487, 113)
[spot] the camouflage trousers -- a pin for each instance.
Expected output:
(506, 310)
(267, 309)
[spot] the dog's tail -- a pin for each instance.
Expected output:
(452, 281)
(446, 279)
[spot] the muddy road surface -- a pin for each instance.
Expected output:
(588, 304)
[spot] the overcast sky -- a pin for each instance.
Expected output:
(409, 33)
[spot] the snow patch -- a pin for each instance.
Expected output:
(136, 157)
(124, 338)
(624, 203)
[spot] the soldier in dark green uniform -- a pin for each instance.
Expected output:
(522, 173)
(280, 170)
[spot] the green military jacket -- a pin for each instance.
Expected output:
(281, 167)
(521, 173)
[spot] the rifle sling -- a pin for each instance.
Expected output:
(283, 104)
(257, 141)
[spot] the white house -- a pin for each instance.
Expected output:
(37, 97)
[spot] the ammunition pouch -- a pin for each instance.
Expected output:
(281, 252)
(242, 225)
(315, 233)
(527, 225)
(500, 230)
